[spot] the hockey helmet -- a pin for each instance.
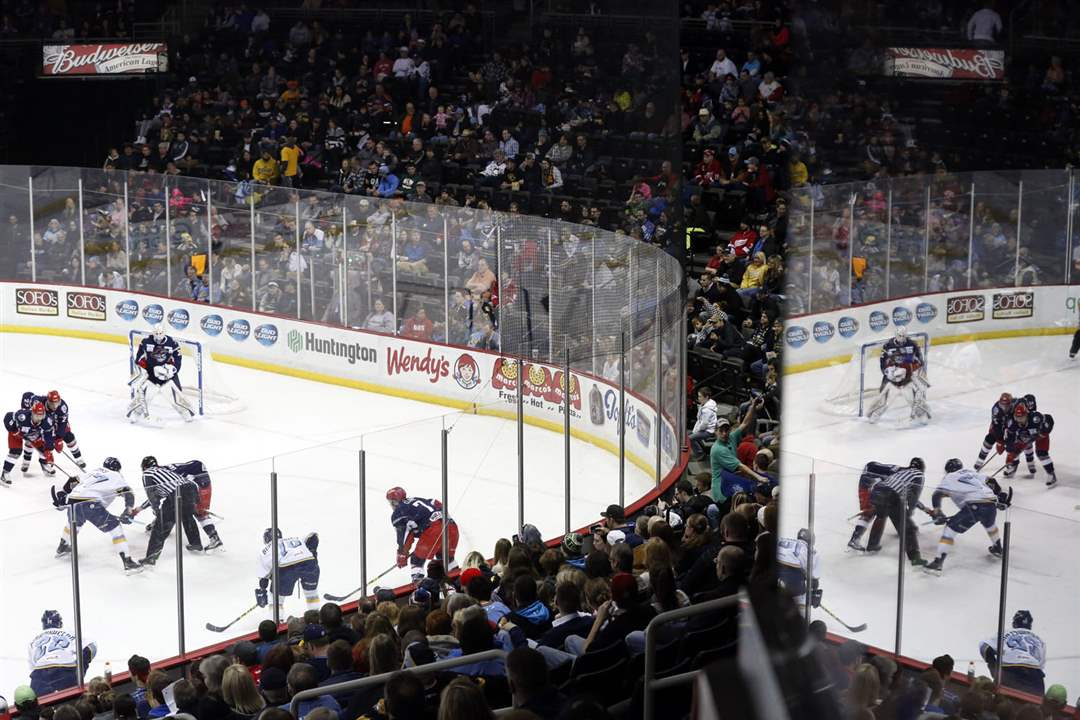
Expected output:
(953, 464)
(395, 494)
(111, 463)
(271, 533)
(37, 411)
(917, 463)
(149, 462)
(52, 619)
(1005, 401)
(805, 535)
(1020, 412)
(27, 400)
(1029, 400)
(901, 332)
(1023, 619)
(158, 333)
(52, 400)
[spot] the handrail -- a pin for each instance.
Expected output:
(650, 643)
(360, 683)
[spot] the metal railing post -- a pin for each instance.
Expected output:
(210, 240)
(851, 250)
(393, 268)
(1002, 600)
(445, 498)
(659, 350)
(622, 419)
(809, 580)
(551, 300)
(168, 241)
(179, 529)
(30, 195)
(363, 517)
(274, 569)
(498, 284)
(900, 579)
(1070, 188)
(567, 385)
(810, 272)
(888, 241)
(76, 596)
(446, 283)
(343, 303)
(971, 234)
(1019, 225)
(299, 257)
(592, 306)
(251, 206)
(127, 237)
(926, 244)
(520, 442)
(82, 236)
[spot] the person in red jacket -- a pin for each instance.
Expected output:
(743, 241)
(418, 327)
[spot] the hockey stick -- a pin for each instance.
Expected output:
(851, 628)
(339, 598)
(222, 628)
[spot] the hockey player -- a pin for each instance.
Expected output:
(902, 370)
(793, 557)
(91, 493)
(1000, 413)
(161, 485)
(1028, 428)
(297, 560)
(420, 519)
(895, 496)
(871, 474)
(1023, 656)
(195, 471)
(157, 364)
(977, 499)
(29, 430)
(53, 663)
(57, 410)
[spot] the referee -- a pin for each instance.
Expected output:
(161, 485)
(895, 497)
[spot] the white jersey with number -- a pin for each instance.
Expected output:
(1022, 648)
(102, 485)
(965, 487)
(53, 648)
(795, 554)
(291, 551)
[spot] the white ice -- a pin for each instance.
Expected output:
(951, 613)
(318, 491)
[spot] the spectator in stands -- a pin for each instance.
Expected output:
(550, 176)
(984, 25)
(707, 129)
(722, 67)
(265, 169)
(482, 278)
(240, 693)
(705, 425)
(462, 699)
(530, 685)
(156, 683)
(529, 614)
(380, 319)
(616, 618)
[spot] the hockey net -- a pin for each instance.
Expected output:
(199, 375)
(862, 376)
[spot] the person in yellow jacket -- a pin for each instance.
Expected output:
(754, 275)
(265, 169)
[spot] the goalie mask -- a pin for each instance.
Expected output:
(158, 333)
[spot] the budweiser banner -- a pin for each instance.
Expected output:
(104, 59)
(945, 63)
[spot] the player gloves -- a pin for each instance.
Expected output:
(59, 498)
(59, 445)
(402, 558)
(262, 598)
(126, 516)
(815, 597)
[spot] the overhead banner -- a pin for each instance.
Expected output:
(104, 59)
(945, 63)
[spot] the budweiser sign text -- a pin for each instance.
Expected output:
(945, 63)
(104, 59)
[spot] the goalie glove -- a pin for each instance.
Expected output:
(164, 372)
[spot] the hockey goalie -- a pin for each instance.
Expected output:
(157, 366)
(903, 373)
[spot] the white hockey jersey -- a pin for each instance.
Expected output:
(1022, 648)
(795, 554)
(55, 648)
(966, 486)
(102, 485)
(291, 551)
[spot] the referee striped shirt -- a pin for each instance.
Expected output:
(161, 481)
(907, 481)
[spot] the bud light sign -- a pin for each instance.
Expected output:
(239, 330)
(211, 325)
(796, 336)
(847, 326)
(925, 312)
(901, 316)
(153, 314)
(179, 318)
(266, 334)
(823, 331)
(878, 321)
(127, 309)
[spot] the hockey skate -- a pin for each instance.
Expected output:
(996, 550)
(5, 479)
(214, 544)
(935, 566)
(25, 467)
(1010, 471)
(150, 560)
(130, 566)
(1031, 470)
(853, 543)
(1051, 481)
(80, 462)
(978, 464)
(63, 549)
(48, 468)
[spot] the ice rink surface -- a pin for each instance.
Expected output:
(313, 432)
(953, 612)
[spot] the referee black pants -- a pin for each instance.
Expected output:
(166, 519)
(888, 504)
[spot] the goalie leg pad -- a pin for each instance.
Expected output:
(182, 405)
(878, 406)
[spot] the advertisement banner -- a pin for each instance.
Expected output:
(36, 301)
(945, 63)
(104, 59)
(965, 309)
(1013, 305)
(86, 306)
